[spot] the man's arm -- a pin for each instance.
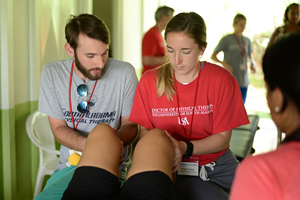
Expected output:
(128, 131)
(66, 135)
(153, 60)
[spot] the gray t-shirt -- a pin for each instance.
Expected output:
(233, 56)
(112, 98)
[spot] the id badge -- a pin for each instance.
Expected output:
(243, 67)
(189, 166)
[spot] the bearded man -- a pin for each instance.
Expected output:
(79, 93)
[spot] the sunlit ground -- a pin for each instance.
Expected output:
(265, 139)
(256, 102)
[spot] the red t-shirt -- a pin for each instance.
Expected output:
(219, 107)
(271, 176)
(152, 45)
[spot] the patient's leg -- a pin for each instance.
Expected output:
(150, 176)
(96, 175)
(154, 152)
(102, 149)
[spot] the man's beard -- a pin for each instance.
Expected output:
(87, 73)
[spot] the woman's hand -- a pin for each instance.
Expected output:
(252, 67)
(179, 150)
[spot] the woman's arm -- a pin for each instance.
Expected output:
(272, 40)
(211, 144)
(223, 63)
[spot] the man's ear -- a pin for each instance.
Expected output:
(69, 49)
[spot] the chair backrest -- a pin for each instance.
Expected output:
(40, 133)
(242, 138)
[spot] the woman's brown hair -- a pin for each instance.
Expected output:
(193, 26)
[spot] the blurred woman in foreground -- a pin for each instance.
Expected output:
(275, 175)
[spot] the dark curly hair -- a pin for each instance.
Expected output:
(285, 16)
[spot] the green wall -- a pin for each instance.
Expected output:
(1, 161)
(19, 157)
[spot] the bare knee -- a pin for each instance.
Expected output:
(102, 126)
(155, 140)
(156, 136)
(101, 130)
(103, 133)
(156, 132)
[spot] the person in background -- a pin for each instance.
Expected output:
(197, 104)
(153, 45)
(291, 21)
(79, 93)
(237, 50)
(96, 176)
(275, 175)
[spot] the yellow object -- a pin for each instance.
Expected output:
(74, 158)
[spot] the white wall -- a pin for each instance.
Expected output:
(32, 35)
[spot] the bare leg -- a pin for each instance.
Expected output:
(153, 152)
(96, 176)
(102, 149)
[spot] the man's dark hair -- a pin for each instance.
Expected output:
(87, 24)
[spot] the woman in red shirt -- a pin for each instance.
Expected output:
(197, 104)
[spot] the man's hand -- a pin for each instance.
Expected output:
(128, 131)
(122, 152)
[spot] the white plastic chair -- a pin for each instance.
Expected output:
(40, 133)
